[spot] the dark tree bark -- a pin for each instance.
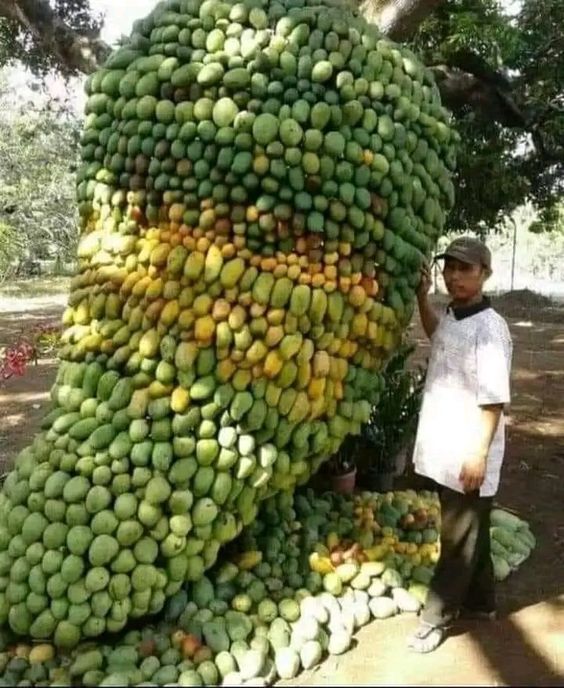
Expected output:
(75, 51)
(468, 82)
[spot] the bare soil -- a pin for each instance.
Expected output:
(526, 645)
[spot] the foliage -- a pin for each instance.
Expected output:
(551, 219)
(11, 246)
(393, 421)
(35, 45)
(41, 341)
(38, 159)
(522, 56)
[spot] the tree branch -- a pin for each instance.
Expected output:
(398, 19)
(75, 51)
(488, 94)
(461, 90)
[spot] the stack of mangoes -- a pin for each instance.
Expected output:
(260, 183)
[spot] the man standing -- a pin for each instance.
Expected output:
(461, 438)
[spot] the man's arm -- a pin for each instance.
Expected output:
(489, 420)
(474, 470)
(429, 318)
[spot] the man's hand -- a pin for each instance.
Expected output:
(473, 473)
(425, 281)
(429, 319)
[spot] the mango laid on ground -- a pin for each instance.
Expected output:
(259, 185)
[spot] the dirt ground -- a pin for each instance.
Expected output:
(526, 645)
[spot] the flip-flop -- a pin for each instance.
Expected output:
(426, 638)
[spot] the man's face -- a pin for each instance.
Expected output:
(464, 281)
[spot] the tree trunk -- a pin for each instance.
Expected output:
(399, 19)
(75, 51)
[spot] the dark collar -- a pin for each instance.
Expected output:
(461, 312)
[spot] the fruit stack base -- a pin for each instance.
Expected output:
(299, 583)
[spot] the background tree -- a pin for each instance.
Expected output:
(38, 159)
(503, 77)
(51, 34)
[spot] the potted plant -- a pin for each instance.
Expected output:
(341, 467)
(387, 436)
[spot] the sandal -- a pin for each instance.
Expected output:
(426, 638)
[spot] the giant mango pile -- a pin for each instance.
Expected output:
(260, 182)
(292, 589)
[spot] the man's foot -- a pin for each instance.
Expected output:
(478, 614)
(426, 638)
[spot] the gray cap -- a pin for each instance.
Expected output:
(468, 250)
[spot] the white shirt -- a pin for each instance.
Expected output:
(469, 367)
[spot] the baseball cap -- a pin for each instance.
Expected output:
(468, 250)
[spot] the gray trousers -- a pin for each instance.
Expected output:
(464, 575)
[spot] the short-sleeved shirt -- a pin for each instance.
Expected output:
(469, 367)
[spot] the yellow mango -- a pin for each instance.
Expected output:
(186, 319)
(357, 296)
(300, 409)
(203, 304)
(359, 324)
(237, 318)
(179, 400)
(248, 560)
(225, 370)
(316, 387)
(41, 653)
(204, 328)
(159, 255)
(273, 336)
(241, 379)
(157, 390)
(273, 364)
(321, 364)
(170, 313)
(256, 352)
(149, 344)
(320, 564)
(318, 407)
(155, 289)
(213, 263)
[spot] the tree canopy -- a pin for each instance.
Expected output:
(38, 160)
(500, 72)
